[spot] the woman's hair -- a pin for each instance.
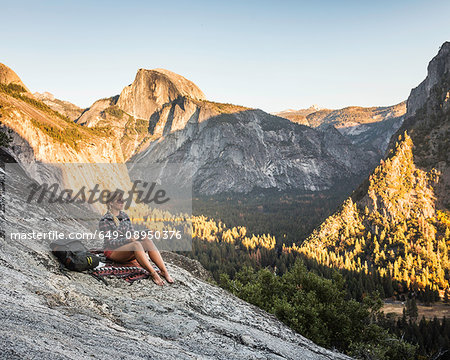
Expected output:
(117, 194)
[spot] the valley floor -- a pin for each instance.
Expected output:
(438, 309)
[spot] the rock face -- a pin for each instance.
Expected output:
(43, 137)
(438, 67)
(241, 151)
(8, 76)
(132, 115)
(49, 315)
(151, 89)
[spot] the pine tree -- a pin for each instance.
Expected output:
(412, 312)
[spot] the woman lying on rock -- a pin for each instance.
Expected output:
(122, 249)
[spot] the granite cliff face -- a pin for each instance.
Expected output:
(241, 151)
(54, 316)
(151, 89)
(438, 68)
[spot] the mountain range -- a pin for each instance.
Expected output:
(370, 128)
(164, 118)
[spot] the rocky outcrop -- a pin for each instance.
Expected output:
(8, 76)
(438, 67)
(134, 115)
(52, 315)
(65, 108)
(151, 89)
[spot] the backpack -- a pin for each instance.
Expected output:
(74, 255)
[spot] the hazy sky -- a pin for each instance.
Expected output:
(271, 55)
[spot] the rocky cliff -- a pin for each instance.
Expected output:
(438, 68)
(52, 315)
(151, 89)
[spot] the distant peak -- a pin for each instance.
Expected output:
(44, 96)
(300, 112)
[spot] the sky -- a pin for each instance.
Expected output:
(271, 55)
